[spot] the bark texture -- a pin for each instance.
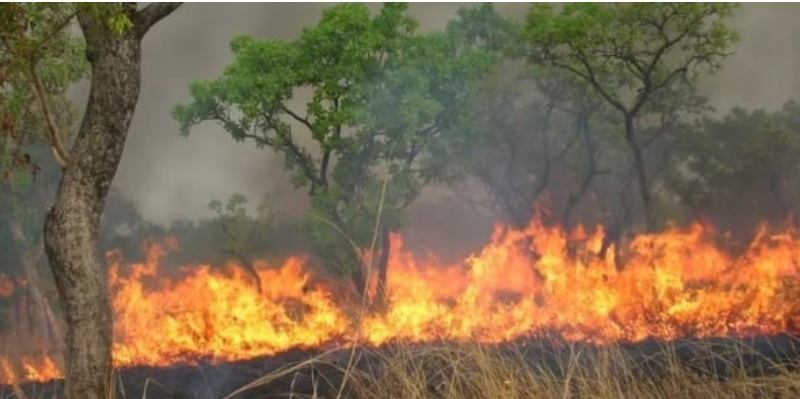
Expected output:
(71, 224)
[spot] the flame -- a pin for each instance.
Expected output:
(29, 369)
(6, 286)
(537, 281)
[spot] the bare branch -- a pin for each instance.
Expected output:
(302, 157)
(304, 121)
(54, 135)
(150, 15)
(590, 76)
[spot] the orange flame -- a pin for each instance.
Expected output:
(6, 286)
(538, 281)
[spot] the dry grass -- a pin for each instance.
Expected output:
(466, 371)
(474, 371)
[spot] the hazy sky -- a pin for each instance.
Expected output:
(170, 177)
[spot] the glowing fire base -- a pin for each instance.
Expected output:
(536, 282)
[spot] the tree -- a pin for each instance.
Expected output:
(113, 35)
(740, 164)
(631, 54)
(382, 97)
(21, 217)
(28, 175)
(551, 145)
(241, 230)
(538, 130)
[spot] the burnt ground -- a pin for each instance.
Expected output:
(716, 358)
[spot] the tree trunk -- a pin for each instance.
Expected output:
(380, 300)
(641, 172)
(574, 198)
(71, 224)
(359, 279)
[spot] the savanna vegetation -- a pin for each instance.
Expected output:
(593, 110)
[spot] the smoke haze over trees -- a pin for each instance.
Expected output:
(476, 116)
(168, 177)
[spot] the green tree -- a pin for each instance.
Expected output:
(32, 35)
(383, 99)
(632, 54)
(741, 164)
(538, 130)
(241, 230)
(37, 62)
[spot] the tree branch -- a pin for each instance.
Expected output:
(592, 79)
(327, 149)
(298, 118)
(423, 133)
(291, 148)
(58, 27)
(649, 88)
(247, 265)
(150, 15)
(286, 144)
(54, 135)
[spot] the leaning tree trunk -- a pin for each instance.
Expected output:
(71, 224)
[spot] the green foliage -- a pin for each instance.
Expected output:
(39, 59)
(116, 16)
(739, 163)
(35, 46)
(642, 59)
(382, 99)
(638, 48)
(482, 27)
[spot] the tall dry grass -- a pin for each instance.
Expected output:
(474, 371)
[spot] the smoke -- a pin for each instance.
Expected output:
(764, 71)
(170, 177)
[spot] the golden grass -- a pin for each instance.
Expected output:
(474, 371)
(467, 371)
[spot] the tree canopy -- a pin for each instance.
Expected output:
(636, 56)
(384, 100)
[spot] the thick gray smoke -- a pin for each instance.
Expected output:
(171, 177)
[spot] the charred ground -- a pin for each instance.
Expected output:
(306, 373)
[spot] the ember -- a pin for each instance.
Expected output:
(675, 284)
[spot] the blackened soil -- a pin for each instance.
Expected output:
(715, 358)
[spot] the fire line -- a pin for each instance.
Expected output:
(675, 284)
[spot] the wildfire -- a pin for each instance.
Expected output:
(6, 286)
(538, 281)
